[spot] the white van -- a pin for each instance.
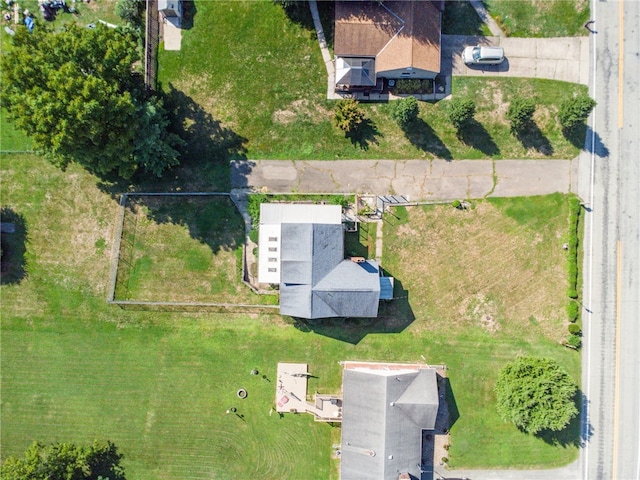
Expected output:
(479, 55)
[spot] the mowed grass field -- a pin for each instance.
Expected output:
(183, 249)
(158, 383)
(492, 277)
(260, 78)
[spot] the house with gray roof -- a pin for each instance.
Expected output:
(385, 408)
(301, 248)
(386, 39)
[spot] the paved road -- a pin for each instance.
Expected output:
(418, 179)
(611, 373)
(562, 58)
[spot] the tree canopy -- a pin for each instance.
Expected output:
(77, 95)
(536, 394)
(65, 461)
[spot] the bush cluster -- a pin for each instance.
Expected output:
(348, 116)
(574, 111)
(574, 341)
(574, 329)
(574, 216)
(405, 111)
(572, 312)
(520, 113)
(460, 111)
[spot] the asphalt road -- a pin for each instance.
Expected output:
(611, 359)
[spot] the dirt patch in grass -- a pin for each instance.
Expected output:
(301, 109)
(481, 268)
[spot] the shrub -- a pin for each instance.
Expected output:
(348, 116)
(253, 207)
(460, 111)
(572, 311)
(574, 329)
(575, 111)
(405, 111)
(574, 341)
(572, 293)
(129, 10)
(520, 113)
(456, 204)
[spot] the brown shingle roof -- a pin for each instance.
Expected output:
(399, 33)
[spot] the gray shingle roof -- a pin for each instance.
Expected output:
(316, 280)
(383, 416)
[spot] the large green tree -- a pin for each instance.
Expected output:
(65, 461)
(536, 394)
(77, 95)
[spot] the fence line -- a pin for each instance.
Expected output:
(123, 247)
(115, 253)
(152, 38)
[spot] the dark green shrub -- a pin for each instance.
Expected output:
(253, 207)
(405, 111)
(572, 311)
(520, 113)
(574, 341)
(575, 111)
(460, 111)
(130, 11)
(574, 329)
(253, 235)
(348, 115)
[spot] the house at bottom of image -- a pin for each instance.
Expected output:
(301, 248)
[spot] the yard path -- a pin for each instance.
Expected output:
(417, 179)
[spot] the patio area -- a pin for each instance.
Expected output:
(291, 395)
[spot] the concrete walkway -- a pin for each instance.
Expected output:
(416, 179)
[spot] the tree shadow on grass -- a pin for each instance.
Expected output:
(460, 18)
(189, 11)
(577, 433)
(393, 317)
(365, 134)
(472, 133)
(531, 137)
(423, 137)
(13, 237)
(299, 12)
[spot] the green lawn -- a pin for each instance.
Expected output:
(158, 383)
(12, 140)
(183, 249)
(460, 18)
(258, 80)
(535, 18)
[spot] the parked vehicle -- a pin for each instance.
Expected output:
(480, 55)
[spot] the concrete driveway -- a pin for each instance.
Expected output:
(417, 179)
(561, 58)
